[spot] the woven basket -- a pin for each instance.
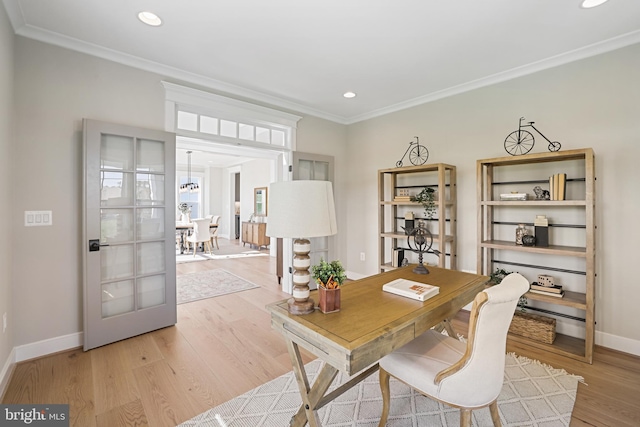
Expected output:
(533, 326)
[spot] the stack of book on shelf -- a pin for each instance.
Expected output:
(513, 196)
(398, 256)
(558, 186)
(552, 291)
(403, 195)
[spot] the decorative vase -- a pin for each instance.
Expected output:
(521, 231)
(186, 218)
(329, 299)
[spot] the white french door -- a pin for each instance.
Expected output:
(128, 232)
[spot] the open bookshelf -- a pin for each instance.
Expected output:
(391, 218)
(570, 255)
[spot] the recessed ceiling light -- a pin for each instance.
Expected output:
(588, 4)
(150, 18)
(349, 94)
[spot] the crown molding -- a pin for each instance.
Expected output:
(49, 37)
(22, 29)
(534, 67)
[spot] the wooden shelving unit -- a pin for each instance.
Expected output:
(496, 252)
(439, 176)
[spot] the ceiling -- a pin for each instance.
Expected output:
(303, 55)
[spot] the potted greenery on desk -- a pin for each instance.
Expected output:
(329, 276)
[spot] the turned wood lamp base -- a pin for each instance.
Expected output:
(301, 303)
(301, 307)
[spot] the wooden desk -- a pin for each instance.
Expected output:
(183, 229)
(370, 324)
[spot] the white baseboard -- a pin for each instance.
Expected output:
(6, 371)
(46, 347)
(626, 345)
(355, 276)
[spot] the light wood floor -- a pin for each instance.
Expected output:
(224, 346)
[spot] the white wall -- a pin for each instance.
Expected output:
(6, 185)
(253, 174)
(589, 103)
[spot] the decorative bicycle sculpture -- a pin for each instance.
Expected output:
(418, 154)
(521, 141)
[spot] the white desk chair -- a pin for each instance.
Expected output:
(215, 219)
(200, 234)
(467, 376)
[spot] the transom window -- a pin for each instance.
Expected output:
(231, 129)
(198, 114)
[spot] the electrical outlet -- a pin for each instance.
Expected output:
(361, 256)
(4, 322)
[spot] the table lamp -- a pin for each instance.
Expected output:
(301, 210)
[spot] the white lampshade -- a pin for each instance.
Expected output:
(301, 209)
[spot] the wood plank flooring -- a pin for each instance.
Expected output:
(222, 347)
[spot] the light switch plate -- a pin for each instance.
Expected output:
(38, 218)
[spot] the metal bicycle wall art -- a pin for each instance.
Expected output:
(521, 141)
(418, 154)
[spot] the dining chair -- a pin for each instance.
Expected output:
(463, 375)
(214, 232)
(200, 234)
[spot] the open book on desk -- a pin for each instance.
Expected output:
(410, 289)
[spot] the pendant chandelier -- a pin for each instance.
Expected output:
(190, 186)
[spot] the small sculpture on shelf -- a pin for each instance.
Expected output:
(541, 194)
(420, 240)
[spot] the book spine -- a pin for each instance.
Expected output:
(562, 186)
(551, 294)
(551, 289)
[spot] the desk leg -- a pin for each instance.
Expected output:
(449, 328)
(310, 396)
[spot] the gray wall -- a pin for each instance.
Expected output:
(589, 103)
(6, 182)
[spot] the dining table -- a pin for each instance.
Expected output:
(184, 228)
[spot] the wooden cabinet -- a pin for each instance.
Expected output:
(392, 210)
(255, 233)
(570, 254)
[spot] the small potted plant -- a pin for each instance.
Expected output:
(426, 198)
(329, 276)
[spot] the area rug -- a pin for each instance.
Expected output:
(533, 394)
(208, 284)
(204, 256)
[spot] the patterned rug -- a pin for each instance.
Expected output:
(207, 284)
(533, 394)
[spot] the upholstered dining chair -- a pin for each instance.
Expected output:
(467, 376)
(200, 234)
(215, 219)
